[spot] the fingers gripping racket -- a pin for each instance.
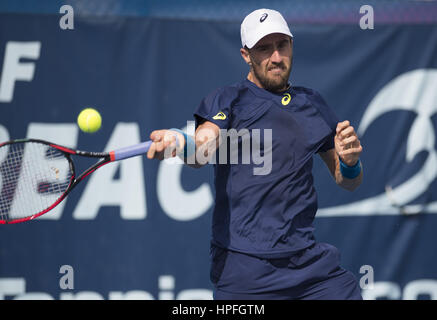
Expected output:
(36, 175)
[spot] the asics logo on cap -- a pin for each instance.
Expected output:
(261, 23)
(263, 17)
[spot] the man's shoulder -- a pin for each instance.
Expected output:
(311, 95)
(229, 89)
(305, 90)
(230, 92)
(318, 102)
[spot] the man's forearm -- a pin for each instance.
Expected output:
(204, 150)
(346, 183)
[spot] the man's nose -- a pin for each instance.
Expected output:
(275, 57)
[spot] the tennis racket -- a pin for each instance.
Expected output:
(36, 175)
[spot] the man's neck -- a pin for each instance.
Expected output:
(255, 80)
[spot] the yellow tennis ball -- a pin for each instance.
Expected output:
(89, 120)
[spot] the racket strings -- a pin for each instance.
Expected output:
(9, 178)
(33, 176)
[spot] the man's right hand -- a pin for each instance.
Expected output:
(206, 139)
(164, 144)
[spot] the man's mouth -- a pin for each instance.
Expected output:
(276, 69)
(276, 72)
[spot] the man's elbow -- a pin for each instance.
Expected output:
(195, 165)
(351, 184)
(350, 188)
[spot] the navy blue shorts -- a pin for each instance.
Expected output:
(313, 274)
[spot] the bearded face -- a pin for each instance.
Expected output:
(271, 61)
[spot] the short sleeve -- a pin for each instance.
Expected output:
(217, 107)
(329, 117)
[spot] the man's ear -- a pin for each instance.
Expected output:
(245, 55)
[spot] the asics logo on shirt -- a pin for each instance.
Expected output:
(219, 116)
(286, 99)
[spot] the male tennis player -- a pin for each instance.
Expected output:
(263, 245)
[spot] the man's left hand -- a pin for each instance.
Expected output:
(347, 144)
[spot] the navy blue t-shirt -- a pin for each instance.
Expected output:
(267, 209)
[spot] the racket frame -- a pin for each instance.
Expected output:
(106, 157)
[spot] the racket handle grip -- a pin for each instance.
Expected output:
(130, 151)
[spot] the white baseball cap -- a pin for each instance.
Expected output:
(261, 23)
